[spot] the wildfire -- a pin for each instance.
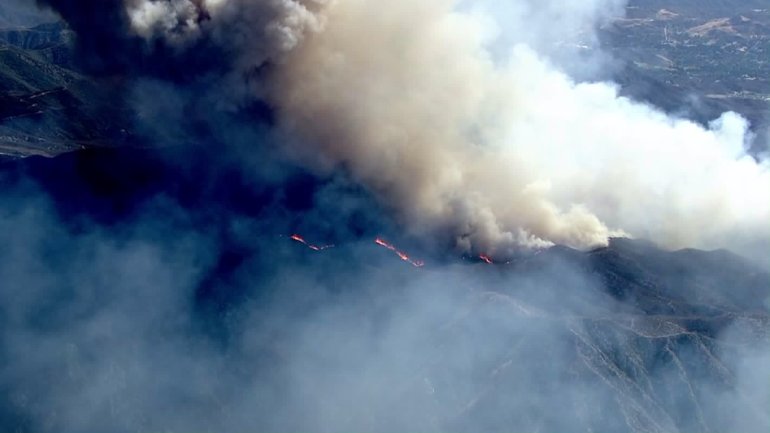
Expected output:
(301, 240)
(402, 255)
(379, 241)
(487, 259)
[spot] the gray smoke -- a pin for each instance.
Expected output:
(486, 145)
(460, 118)
(510, 152)
(101, 331)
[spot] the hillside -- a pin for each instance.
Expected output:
(46, 107)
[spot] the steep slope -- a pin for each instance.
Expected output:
(46, 107)
(663, 357)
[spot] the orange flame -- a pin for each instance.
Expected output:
(487, 259)
(402, 255)
(301, 240)
(379, 241)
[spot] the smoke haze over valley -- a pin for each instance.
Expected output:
(342, 215)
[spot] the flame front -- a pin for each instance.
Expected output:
(487, 259)
(402, 255)
(301, 240)
(379, 241)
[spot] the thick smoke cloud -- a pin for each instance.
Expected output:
(169, 297)
(141, 301)
(185, 39)
(481, 149)
(516, 153)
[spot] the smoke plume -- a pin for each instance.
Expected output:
(160, 289)
(510, 152)
(487, 149)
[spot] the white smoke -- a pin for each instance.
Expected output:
(238, 24)
(165, 17)
(503, 151)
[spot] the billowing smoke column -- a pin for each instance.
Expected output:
(484, 148)
(153, 290)
(509, 153)
(184, 38)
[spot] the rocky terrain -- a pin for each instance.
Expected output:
(46, 106)
(661, 358)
